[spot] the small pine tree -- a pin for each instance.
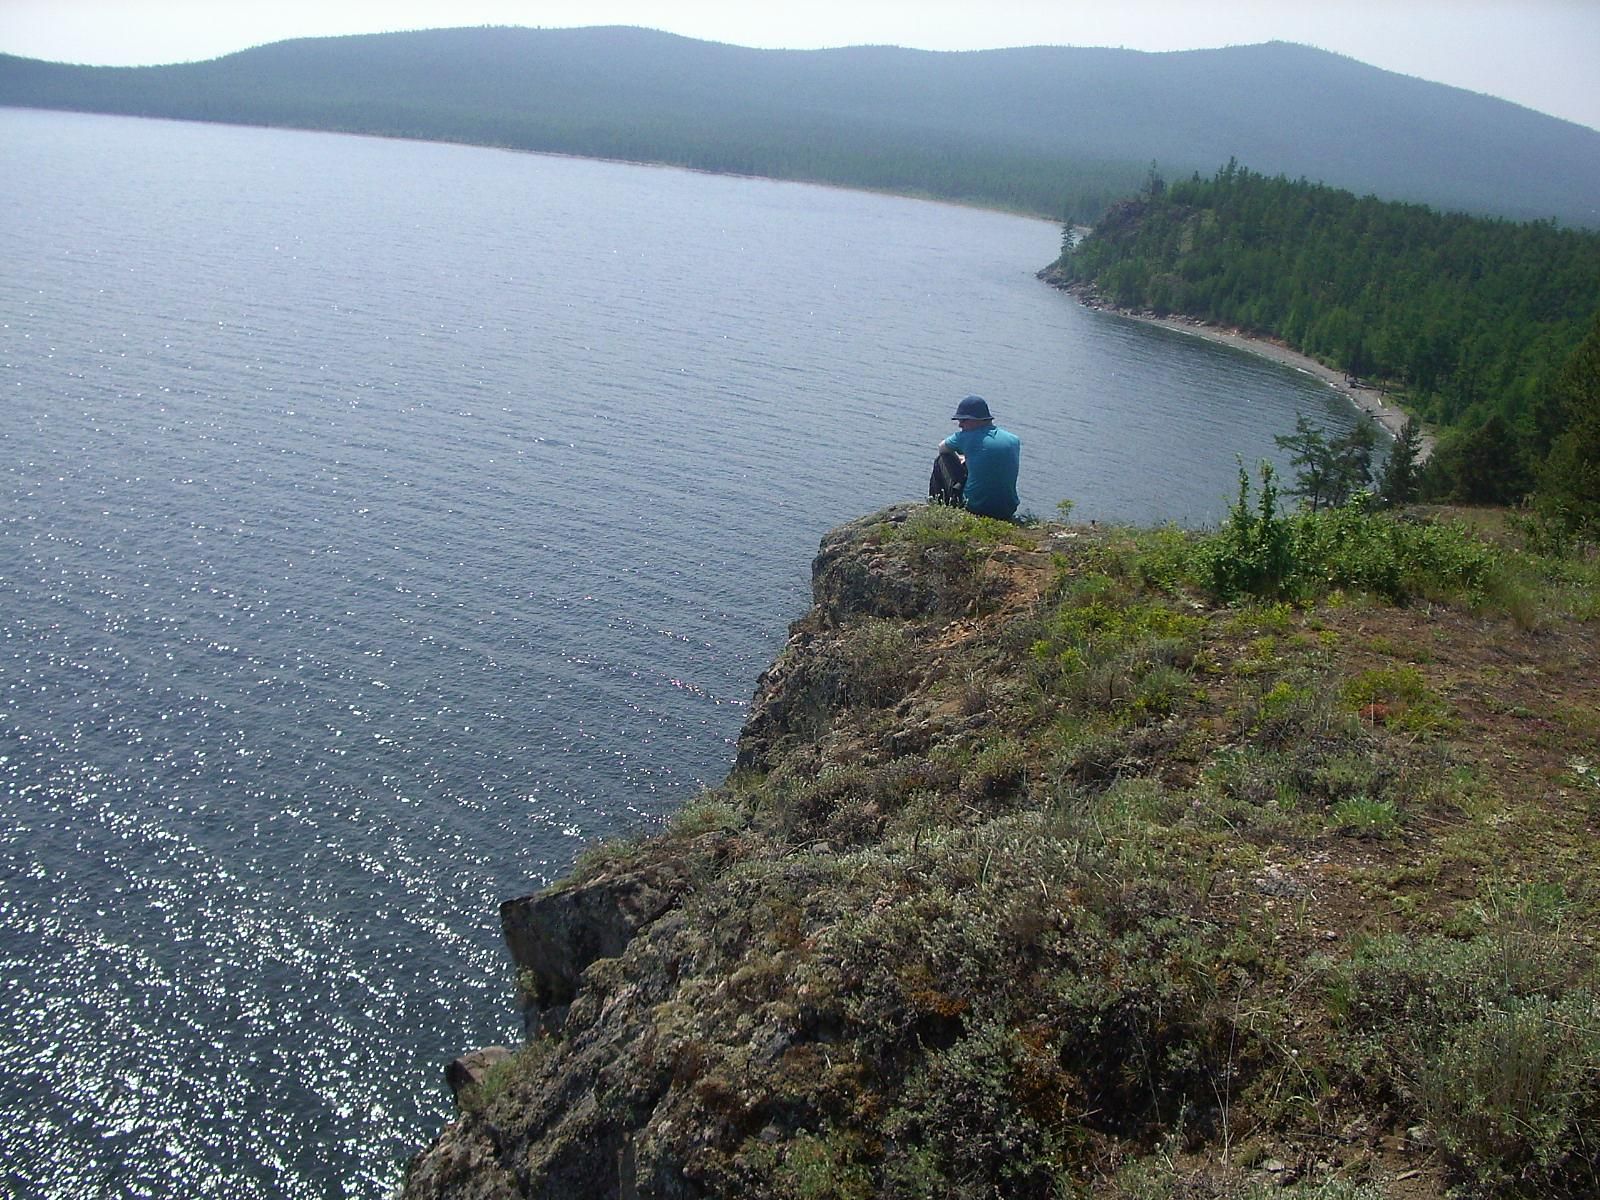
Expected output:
(1328, 474)
(1155, 186)
(1401, 474)
(1312, 459)
(1253, 553)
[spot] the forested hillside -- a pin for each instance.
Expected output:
(1473, 320)
(1056, 131)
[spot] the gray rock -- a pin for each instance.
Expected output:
(554, 936)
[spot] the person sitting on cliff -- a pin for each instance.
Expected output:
(977, 465)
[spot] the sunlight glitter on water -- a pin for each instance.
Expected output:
(417, 516)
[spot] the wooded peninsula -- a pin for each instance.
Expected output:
(1485, 328)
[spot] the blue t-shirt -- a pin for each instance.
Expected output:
(993, 455)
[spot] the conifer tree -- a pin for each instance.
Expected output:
(1569, 483)
(1328, 474)
(1401, 474)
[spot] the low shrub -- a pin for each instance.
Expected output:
(996, 1105)
(1401, 695)
(1262, 553)
(943, 525)
(825, 1167)
(1513, 1094)
(1496, 1041)
(1362, 816)
(1396, 559)
(505, 1077)
(1107, 648)
(998, 770)
(879, 662)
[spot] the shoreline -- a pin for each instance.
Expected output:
(1389, 416)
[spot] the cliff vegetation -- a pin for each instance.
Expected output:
(1065, 861)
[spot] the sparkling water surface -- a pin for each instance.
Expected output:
(381, 521)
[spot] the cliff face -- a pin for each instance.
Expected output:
(1034, 878)
(655, 964)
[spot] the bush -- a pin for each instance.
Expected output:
(1494, 1043)
(1262, 553)
(1513, 1095)
(942, 525)
(1398, 560)
(998, 770)
(879, 662)
(1253, 553)
(994, 1106)
(823, 1168)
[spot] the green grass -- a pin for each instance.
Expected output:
(942, 525)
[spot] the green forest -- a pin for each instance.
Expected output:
(1487, 329)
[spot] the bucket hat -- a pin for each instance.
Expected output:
(973, 408)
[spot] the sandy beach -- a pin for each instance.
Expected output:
(1390, 416)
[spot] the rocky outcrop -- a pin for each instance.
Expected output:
(554, 936)
(861, 570)
(1029, 864)
(652, 1053)
(615, 977)
(871, 578)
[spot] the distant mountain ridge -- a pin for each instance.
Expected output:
(1041, 129)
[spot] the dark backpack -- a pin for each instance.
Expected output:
(949, 479)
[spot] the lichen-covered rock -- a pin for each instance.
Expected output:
(870, 578)
(663, 1037)
(864, 569)
(555, 935)
(460, 1166)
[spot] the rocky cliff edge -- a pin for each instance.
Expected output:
(1039, 874)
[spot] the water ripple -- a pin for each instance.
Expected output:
(381, 522)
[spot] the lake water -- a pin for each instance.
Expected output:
(381, 521)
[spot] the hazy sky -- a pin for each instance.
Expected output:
(1544, 54)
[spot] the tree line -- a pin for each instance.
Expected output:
(1488, 329)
